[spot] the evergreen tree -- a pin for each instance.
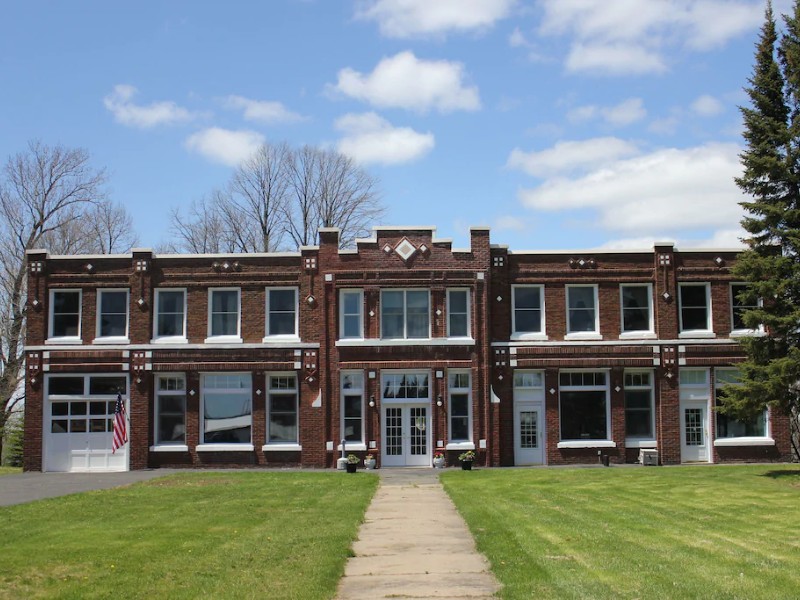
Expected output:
(771, 265)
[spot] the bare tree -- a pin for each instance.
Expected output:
(278, 199)
(46, 194)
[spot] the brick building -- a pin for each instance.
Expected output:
(402, 347)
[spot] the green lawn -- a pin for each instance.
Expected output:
(10, 470)
(211, 535)
(687, 532)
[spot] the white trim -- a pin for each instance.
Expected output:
(64, 339)
(224, 448)
(745, 441)
(281, 447)
(638, 335)
(587, 444)
(224, 338)
(169, 448)
(466, 291)
(353, 446)
(528, 335)
(111, 339)
(596, 308)
(460, 446)
(166, 345)
(360, 293)
(373, 343)
(283, 337)
(583, 336)
(641, 443)
(169, 339)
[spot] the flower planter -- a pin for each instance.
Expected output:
(370, 464)
(352, 467)
(438, 463)
(466, 465)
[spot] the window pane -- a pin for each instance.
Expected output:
(283, 427)
(281, 324)
(694, 309)
(170, 313)
(352, 326)
(350, 301)
(581, 309)
(107, 385)
(77, 408)
(583, 415)
(418, 314)
(527, 297)
(77, 426)
(392, 311)
(227, 417)
(458, 301)
(97, 408)
(352, 406)
(171, 429)
(637, 424)
(66, 314)
(59, 409)
(170, 302)
(459, 428)
(529, 321)
(67, 386)
(172, 404)
(635, 311)
(114, 302)
(282, 300)
(459, 405)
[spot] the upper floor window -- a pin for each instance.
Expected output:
(353, 406)
(112, 313)
(405, 314)
(351, 321)
(458, 313)
(727, 426)
(639, 413)
(170, 321)
(527, 316)
(224, 308)
(227, 408)
(584, 406)
(637, 308)
(459, 393)
(695, 307)
(170, 410)
(65, 314)
(282, 312)
(582, 309)
(282, 399)
(740, 304)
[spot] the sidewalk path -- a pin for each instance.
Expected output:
(413, 544)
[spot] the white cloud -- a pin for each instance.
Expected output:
(626, 112)
(618, 37)
(567, 157)
(707, 106)
(658, 193)
(263, 111)
(414, 18)
(404, 81)
(225, 146)
(119, 103)
(369, 138)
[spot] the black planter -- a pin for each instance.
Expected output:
(352, 467)
(466, 465)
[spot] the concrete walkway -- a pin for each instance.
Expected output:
(413, 544)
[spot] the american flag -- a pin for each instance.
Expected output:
(120, 425)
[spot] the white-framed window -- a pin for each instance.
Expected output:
(584, 406)
(170, 317)
(224, 314)
(402, 385)
(282, 409)
(226, 410)
(170, 410)
(527, 316)
(636, 307)
(639, 405)
(405, 314)
(84, 403)
(582, 313)
(112, 314)
(695, 308)
(282, 312)
(352, 395)
(351, 317)
(65, 314)
(739, 305)
(727, 427)
(458, 313)
(459, 396)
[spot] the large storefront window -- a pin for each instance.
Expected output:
(584, 405)
(226, 408)
(728, 427)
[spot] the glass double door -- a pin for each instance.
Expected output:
(406, 435)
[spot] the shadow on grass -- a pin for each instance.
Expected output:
(782, 473)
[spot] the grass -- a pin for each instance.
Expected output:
(688, 532)
(211, 535)
(10, 470)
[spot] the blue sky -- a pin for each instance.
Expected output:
(561, 124)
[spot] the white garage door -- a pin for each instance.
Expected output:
(79, 423)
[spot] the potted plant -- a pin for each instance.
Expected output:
(438, 460)
(466, 459)
(370, 462)
(352, 463)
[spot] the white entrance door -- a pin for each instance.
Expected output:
(694, 432)
(528, 438)
(406, 435)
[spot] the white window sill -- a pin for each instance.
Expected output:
(280, 339)
(224, 447)
(63, 340)
(169, 448)
(740, 333)
(375, 343)
(460, 446)
(354, 447)
(170, 340)
(698, 334)
(281, 448)
(223, 339)
(637, 335)
(641, 444)
(587, 444)
(532, 336)
(744, 441)
(583, 336)
(111, 340)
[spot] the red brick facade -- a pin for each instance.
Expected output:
(403, 369)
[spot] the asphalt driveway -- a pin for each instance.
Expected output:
(27, 487)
